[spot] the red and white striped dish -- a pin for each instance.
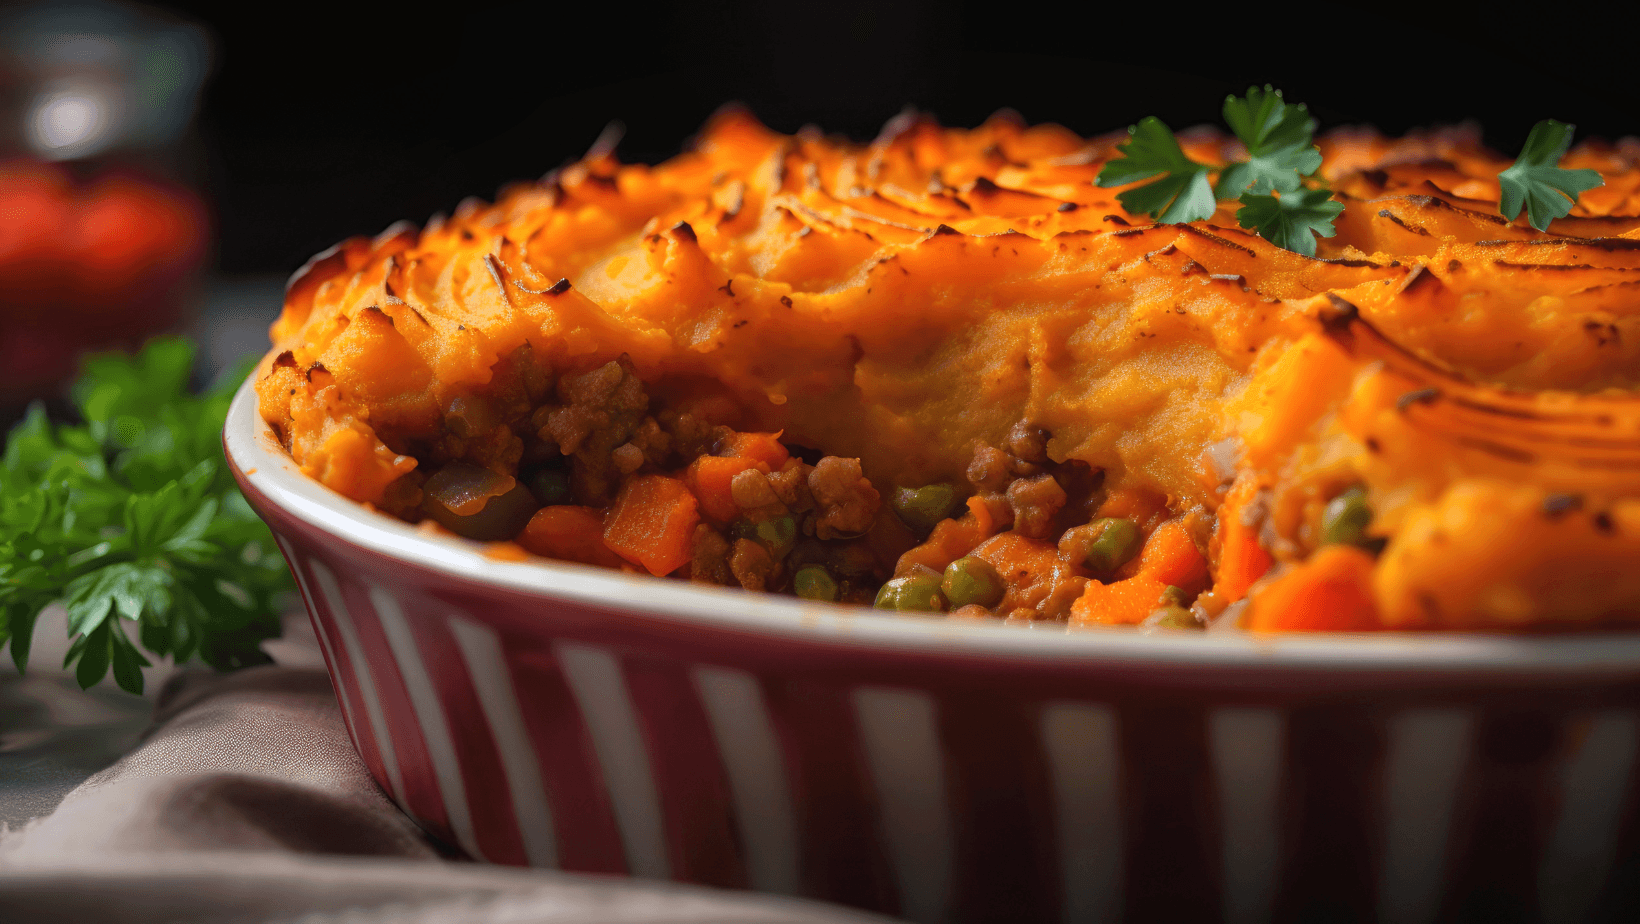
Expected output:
(562, 716)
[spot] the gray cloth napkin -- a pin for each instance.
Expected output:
(245, 801)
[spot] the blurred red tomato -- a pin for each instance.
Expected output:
(87, 266)
(36, 213)
(131, 236)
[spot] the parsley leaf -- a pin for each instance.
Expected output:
(1291, 220)
(1280, 148)
(1281, 153)
(131, 518)
(1536, 180)
(1182, 194)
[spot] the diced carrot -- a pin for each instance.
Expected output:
(1239, 557)
(710, 479)
(1022, 562)
(950, 540)
(569, 533)
(1145, 508)
(1171, 556)
(1122, 603)
(653, 523)
(759, 447)
(1331, 592)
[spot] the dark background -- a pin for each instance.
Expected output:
(323, 120)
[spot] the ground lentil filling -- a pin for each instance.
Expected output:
(606, 475)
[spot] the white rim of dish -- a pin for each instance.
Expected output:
(256, 451)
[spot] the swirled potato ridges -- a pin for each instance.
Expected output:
(945, 371)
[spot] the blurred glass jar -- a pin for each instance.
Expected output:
(101, 237)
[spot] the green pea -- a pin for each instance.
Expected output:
(921, 508)
(972, 580)
(778, 535)
(1170, 617)
(1345, 519)
(814, 582)
(1108, 543)
(916, 592)
(1173, 596)
(550, 486)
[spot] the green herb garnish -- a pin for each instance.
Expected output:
(134, 516)
(1270, 184)
(1536, 180)
(1280, 146)
(1292, 221)
(1182, 194)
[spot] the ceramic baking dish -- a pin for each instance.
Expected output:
(557, 715)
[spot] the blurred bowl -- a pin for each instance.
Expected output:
(556, 715)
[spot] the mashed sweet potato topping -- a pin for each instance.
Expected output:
(946, 372)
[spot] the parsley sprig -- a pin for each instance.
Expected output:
(1181, 194)
(1270, 183)
(132, 517)
(1536, 180)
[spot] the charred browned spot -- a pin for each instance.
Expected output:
(1546, 266)
(494, 267)
(1337, 314)
(1495, 410)
(557, 288)
(1421, 282)
(1414, 229)
(1508, 453)
(1603, 523)
(1603, 332)
(286, 358)
(1214, 238)
(1452, 266)
(683, 232)
(1422, 396)
(1558, 505)
(943, 229)
(1373, 446)
(728, 288)
(376, 311)
(1346, 261)
(1117, 220)
(1437, 203)
(1608, 244)
(1067, 206)
(316, 367)
(786, 300)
